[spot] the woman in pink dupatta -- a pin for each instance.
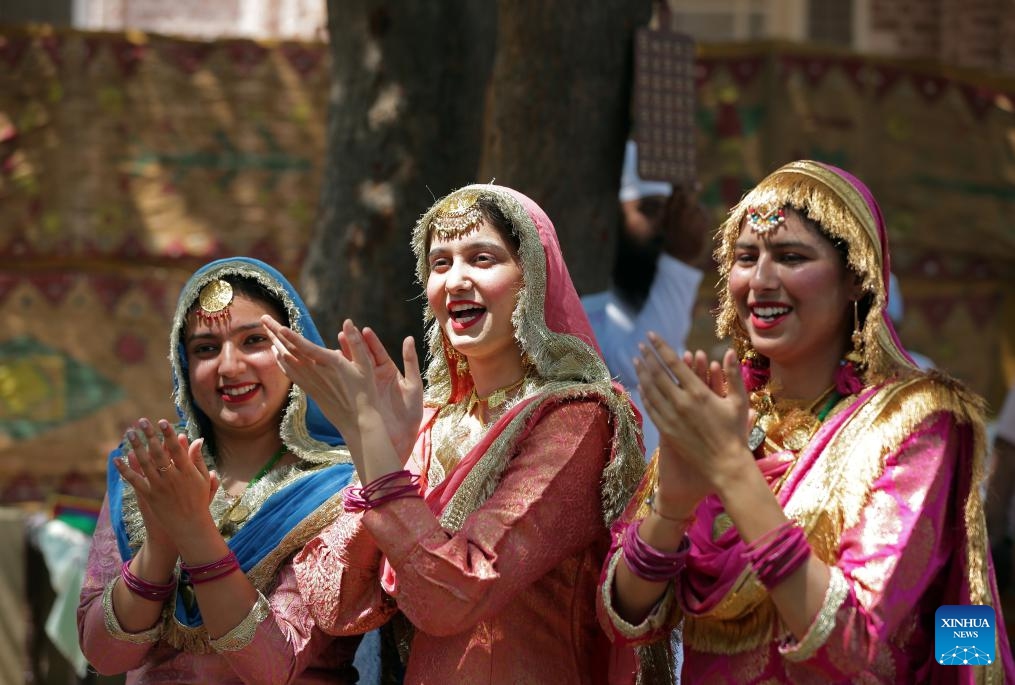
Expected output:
(525, 452)
(816, 547)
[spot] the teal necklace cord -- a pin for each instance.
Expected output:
(238, 513)
(833, 399)
(269, 465)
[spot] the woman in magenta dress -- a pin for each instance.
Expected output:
(804, 528)
(490, 538)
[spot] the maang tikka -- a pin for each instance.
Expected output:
(457, 215)
(214, 301)
(761, 221)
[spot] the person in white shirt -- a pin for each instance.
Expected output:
(654, 282)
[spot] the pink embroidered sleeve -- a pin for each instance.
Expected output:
(545, 509)
(338, 575)
(877, 600)
(106, 653)
(275, 643)
(285, 643)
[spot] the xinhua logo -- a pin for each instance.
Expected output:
(964, 635)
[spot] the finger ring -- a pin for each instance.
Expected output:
(163, 469)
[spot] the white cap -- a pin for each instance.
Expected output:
(633, 186)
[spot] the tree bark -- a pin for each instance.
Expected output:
(419, 104)
(558, 115)
(407, 85)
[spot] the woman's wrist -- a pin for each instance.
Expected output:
(156, 559)
(733, 474)
(671, 509)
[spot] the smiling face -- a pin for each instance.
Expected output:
(233, 376)
(793, 292)
(472, 289)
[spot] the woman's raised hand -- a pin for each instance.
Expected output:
(400, 395)
(171, 480)
(701, 410)
(356, 377)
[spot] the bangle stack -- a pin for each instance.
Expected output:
(387, 488)
(205, 573)
(778, 553)
(154, 592)
(647, 562)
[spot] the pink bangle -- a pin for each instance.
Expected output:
(647, 562)
(778, 553)
(205, 573)
(154, 592)
(387, 488)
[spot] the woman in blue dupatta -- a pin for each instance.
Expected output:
(189, 578)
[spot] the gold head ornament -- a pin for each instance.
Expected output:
(762, 221)
(214, 301)
(457, 216)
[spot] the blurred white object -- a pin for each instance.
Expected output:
(65, 551)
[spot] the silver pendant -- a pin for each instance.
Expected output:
(756, 437)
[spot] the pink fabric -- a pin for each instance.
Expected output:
(563, 309)
(285, 644)
(905, 558)
(509, 597)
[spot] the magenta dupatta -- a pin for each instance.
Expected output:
(715, 565)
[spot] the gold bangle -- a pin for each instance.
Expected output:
(685, 522)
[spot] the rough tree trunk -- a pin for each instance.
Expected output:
(407, 87)
(419, 106)
(557, 117)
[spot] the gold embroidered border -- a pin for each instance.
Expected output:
(658, 617)
(243, 633)
(113, 625)
(819, 630)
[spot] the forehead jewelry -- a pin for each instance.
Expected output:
(457, 216)
(761, 222)
(214, 301)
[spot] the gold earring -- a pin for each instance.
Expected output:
(856, 354)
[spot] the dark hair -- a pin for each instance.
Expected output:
(495, 215)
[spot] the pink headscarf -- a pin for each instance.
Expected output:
(552, 331)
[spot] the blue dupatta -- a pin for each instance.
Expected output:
(304, 430)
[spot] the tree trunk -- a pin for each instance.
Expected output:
(412, 118)
(558, 116)
(407, 84)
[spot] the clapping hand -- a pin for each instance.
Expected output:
(358, 377)
(702, 412)
(171, 480)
